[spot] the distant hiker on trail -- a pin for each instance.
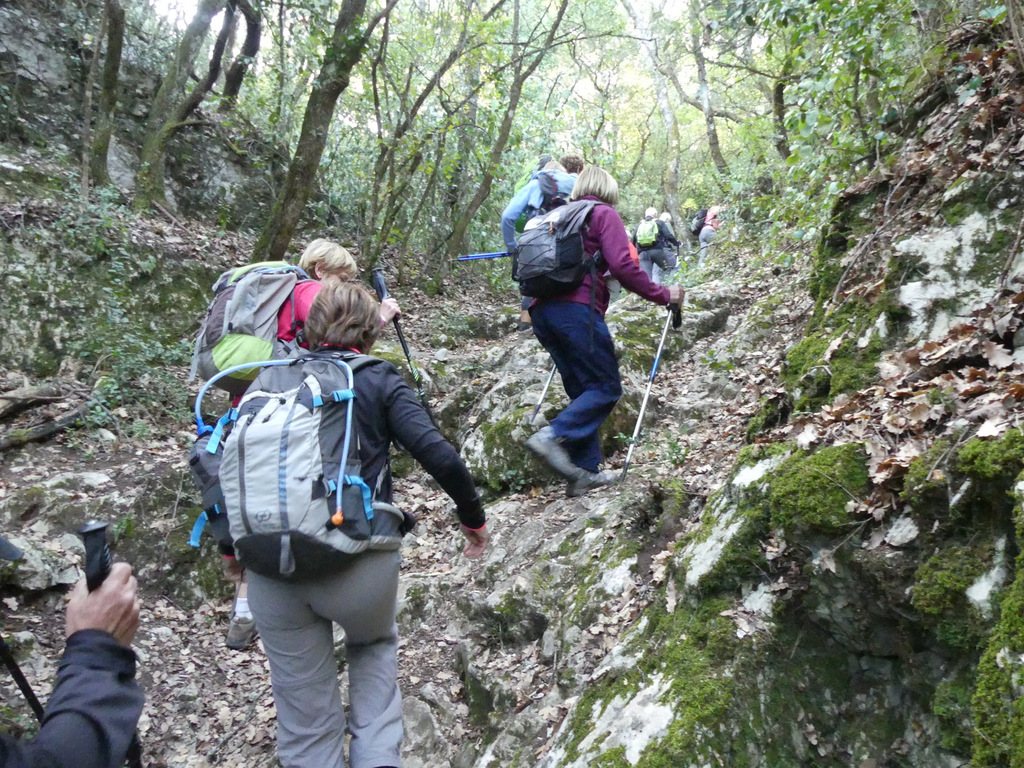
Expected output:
(571, 328)
(573, 164)
(321, 259)
(295, 617)
(666, 218)
(96, 703)
(656, 244)
(706, 228)
(549, 188)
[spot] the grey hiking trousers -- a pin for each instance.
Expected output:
(658, 263)
(295, 624)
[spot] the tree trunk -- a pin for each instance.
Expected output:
(781, 137)
(108, 93)
(90, 81)
(524, 69)
(704, 92)
(250, 47)
(149, 182)
(343, 52)
(670, 179)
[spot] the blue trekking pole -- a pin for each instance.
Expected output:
(675, 317)
(492, 255)
(382, 293)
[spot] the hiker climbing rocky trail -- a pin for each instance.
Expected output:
(516, 644)
(815, 555)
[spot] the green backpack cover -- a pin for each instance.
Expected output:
(647, 232)
(241, 322)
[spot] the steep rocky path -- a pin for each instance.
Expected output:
(462, 658)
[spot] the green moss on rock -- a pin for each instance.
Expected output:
(998, 702)
(811, 491)
(993, 460)
(940, 594)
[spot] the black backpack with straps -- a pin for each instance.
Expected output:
(550, 260)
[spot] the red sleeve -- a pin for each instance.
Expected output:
(615, 249)
(303, 296)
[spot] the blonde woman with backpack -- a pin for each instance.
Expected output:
(571, 328)
(321, 259)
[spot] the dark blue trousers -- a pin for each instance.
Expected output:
(578, 341)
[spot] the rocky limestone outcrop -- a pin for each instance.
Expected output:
(215, 172)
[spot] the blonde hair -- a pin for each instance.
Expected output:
(330, 258)
(553, 165)
(666, 217)
(597, 182)
(343, 314)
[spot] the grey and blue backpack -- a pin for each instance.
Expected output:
(285, 469)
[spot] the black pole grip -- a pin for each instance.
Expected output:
(97, 553)
(97, 568)
(677, 316)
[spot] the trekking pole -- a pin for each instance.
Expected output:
(97, 568)
(475, 256)
(675, 317)
(382, 293)
(543, 394)
(19, 677)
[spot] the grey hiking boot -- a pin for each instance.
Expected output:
(241, 632)
(546, 445)
(588, 481)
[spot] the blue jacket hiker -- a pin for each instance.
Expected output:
(532, 199)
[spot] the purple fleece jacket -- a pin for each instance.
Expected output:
(608, 234)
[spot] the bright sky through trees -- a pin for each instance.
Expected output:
(180, 11)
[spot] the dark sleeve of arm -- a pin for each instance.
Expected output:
(668, 233)
(92, 713)
(409, 423)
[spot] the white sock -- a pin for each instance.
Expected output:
(242, 608)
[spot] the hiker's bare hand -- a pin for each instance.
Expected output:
(233, 570)
(112, 607)
(476, 541)
(389, 310)
(676, 295)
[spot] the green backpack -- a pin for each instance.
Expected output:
(647, 232)
(241, 322)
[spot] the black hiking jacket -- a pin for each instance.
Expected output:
(666, 240)
(387, 410)
(91, 715)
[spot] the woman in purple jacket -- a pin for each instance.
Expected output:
(571, 328)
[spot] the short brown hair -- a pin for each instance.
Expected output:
(572, 163)
(343, 315)
(598, 183)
